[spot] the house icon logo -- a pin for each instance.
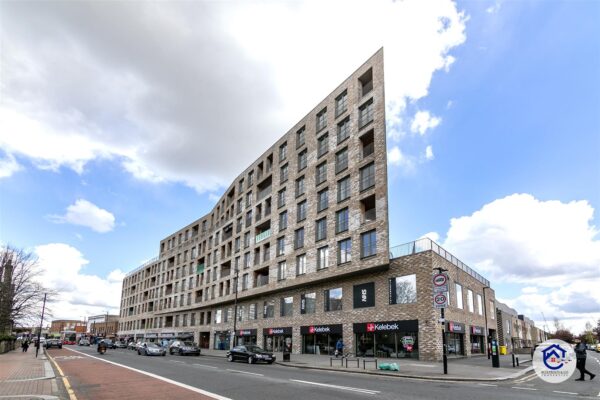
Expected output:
(554, 361)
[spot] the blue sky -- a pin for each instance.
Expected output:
(493, 124)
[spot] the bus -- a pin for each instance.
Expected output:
(68, 337)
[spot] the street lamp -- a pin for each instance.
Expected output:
(235, 289)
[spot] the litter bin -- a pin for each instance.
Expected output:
(286, 356)
(503, 350)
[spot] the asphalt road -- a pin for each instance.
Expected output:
(241, 381)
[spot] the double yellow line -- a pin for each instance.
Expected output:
(64, 378)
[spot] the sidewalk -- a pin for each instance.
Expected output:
(477, 368)
(23, 375)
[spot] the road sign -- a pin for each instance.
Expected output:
(440, 289)
(440, 300)
(440, 279)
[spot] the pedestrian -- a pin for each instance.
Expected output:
(580, 352)
(339, 348)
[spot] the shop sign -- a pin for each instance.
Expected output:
(408, 340)
(477, 330)
(456, 327)
(277, 331)
(151, 335)
(318, 329)
(364, 295)
(246, 332)
(386, 326)
(166, 335)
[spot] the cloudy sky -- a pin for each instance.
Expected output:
(121, 122)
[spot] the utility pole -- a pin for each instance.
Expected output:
(235, 288)
(37, 349)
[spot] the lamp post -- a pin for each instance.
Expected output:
(37, 349)
(235, 289)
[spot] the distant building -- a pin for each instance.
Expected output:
(60, 325)
(103, 325)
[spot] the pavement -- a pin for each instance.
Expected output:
(22, 375)
(476, 368)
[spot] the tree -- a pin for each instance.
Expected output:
(597, 331)
(21, 294)
(561, 332)
(588, 334)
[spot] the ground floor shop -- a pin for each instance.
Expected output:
(455, 338)
(477, 340)
(278, 339)
(320, 339)
(388, 339)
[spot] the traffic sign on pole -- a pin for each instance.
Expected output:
(440, 300)
(440, 280)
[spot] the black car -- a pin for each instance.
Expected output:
(110, 344)
(250, 354)
(181, 348)
(54, 343)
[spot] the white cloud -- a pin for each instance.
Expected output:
(79, 294)
(429, 153)
(423, 121)
(168, 114)
(550, 246)
(87, 214)
(432, 235)
(397, 158)
(494, 8)
(8, 166)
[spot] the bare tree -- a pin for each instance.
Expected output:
(21, 294)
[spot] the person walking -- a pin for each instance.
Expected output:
(339, 348)
(25, 345)
(580, 352)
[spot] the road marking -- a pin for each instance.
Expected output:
(422, 365)
(557, 391)
(182, 385)
(179, 362)
(486, 384)
(64, 379)
(366, 391)
(527, 378)
(244, 372)
(522, 388)
(205, 366)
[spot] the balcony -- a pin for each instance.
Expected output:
(261, 280)
(263, 235)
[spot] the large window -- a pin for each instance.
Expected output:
(301, 265)
(322, 200)
(281, 198)
(479, 305)
(281, 246)
(368, 244)
(269, 309)
(341, 103)
(301, 211)
(341, 220)
(283, 152)
(287, 306)
(459, 296)
(343, 189)
(321, 229)
(300, 186)
(323, 257)
(322, 119)
(283, 173)
(281, 270)
(343, 130)
(302, 160)
(403, 289)
(470, 300)
(333, 299)
(341, 160)
(344, 251)
(367, 176)
(299, 238)
(321, 173)
(283, 220)
(300, 137)
(308, 303)
(365, 113)
(322, 145)
(218, 316)
(252, 311)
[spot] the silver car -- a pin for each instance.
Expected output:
(151, 349)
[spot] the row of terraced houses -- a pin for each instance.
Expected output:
(295, 254)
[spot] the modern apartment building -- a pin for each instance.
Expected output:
(295, 254)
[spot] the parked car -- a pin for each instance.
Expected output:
(84, 342)
(598, 348)
(109, 344)
(182, 348)
(132, 345)
(251, 354)
(54, 343)
(151, 349)
(120, 345)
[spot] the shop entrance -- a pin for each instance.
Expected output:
(320, 339)
(204, 340)
(278, 339)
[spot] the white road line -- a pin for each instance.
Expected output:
(486, 384)
(522, 388)
(182, 385)
(244, 372)
(558, 391)
(359, 390)
(527, 378)
(205, 366)
(422, 365)
(179, 362)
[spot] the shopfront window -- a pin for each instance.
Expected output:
(387, 345)
(477, 344)
(454, 343)
(221, 341)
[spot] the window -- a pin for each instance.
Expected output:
(322, 200)
(321, 229)
(283, 173)
(246, 239)
(248, 199)
(493, 310)
(245, 282)
(250, 178)
(281, 271)
(459, 296)
(252, 311)
(283, 152)
(299, 238)
(237, 245)
(333, 299)
(323, 257)
(269, 309)
(344, 251)
(218, 316)
(321, 173)
(341, 160)
(246, 260)
(341, 103)
(343, 189)
(301, 211)
(367, 142)
(240, 313)
(249, 218)
(365, 113)
(287, 306)
(308, 303)
(300, 186)
(403, 289)
(479, 305)
(302, 160)
(240, 188)
(369, 212)
(322, 145)
(301, 264)
(283, 220)
(366, 82)
(470, 300)
(281, 246)
(341, 220)
(368, 244)
(343, 130)
(367, 176)
(300, 137)
(281, 198)
(322, 119)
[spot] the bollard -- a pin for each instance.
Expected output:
(513, 359)
(517, 361)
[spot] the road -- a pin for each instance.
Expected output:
(241, 381)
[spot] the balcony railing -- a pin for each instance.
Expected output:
(263, 235)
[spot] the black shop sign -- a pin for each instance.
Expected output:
(246, 332)
(387, 326)
(320, 329)
(277, 331)
(456, 327)
(364, 295)
(477, 330)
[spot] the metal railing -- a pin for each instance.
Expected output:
(426, 244)
(263, 235)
